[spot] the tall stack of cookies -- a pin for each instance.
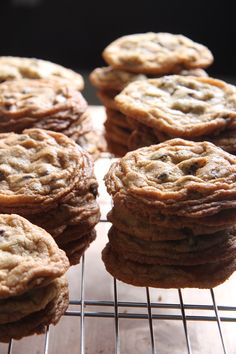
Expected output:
(48, 179)
(137, 58)
(173, 216)
(33, 290)
(39, 94)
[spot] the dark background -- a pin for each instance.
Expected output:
(73, 33)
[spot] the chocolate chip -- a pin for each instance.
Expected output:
(2, 177)
(94, 190)
(191, 170)
(162, 177)
(27, 177)
(2, 232)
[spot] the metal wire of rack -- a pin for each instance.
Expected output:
(115, 311)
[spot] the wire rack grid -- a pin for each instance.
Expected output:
(151, 313)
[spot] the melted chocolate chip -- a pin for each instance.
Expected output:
(162, 177)
(2, 232)
(94, 190)
(2, 177)
(192, 169)
(27, 177)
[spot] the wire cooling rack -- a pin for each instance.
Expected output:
(182, 320)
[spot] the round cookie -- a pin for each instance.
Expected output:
(17, 307)
(108, 78)
(191, 251)
(44, 104)
(12, 68)
(37, 168)
(156, 53)
(37, 322)
(178, 177)
(202, 276)
(29, 257)
(180, 106)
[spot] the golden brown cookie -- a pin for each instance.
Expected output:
(48, 179)
(107, 98)
(190, 251)
(178, 177)
(116, 133)
(44, 104)
(193, 72)
(37, 168)
(163, 276)
(146, 224)
(12, 68)
(156, 53)
(115, 148)
(117, 118)
(108, 78)
(17, 307)
(29, 256)
(180, 106)
(37, 322)
(141, 137)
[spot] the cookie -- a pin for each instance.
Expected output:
(48, 179)
(140, 138)
(163, 276)
(156, 53)
(115, 148)
(196, 176)
(193, 72)
(37, 168)
(116, 133)
(117, 118)
(29, 256)
(108, 78)
(145, 225)
(180, 106)
(107, 98)
(44, 104)
(17, 307)
(14, 68)
(37, 322)
(191, 251)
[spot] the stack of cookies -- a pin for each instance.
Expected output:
(194, 108)
(33, 290)
(173, 216)
(48, 179)
(136, 58)
(39, 94)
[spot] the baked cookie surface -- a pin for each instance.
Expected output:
(156, 53)
(12, 68)
(42, 104)
(180, 106)
(38, 321)
(196, 176)
(108, 78)
(29, 257)
(37, 166)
